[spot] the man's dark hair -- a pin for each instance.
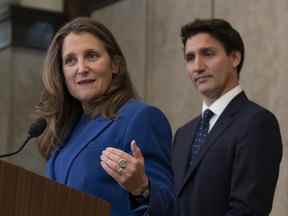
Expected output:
(219, 29)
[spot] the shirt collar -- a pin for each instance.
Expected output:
(218, 106)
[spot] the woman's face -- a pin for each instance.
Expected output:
(87, 66)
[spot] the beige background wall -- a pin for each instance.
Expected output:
(129, 29)
(5, 98)
(20, 90)
(53, 5)
(148, 32)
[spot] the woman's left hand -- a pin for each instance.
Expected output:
(128, 170)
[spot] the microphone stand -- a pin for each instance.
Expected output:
(17, 151)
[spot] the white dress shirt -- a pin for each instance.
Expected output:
(218, 106)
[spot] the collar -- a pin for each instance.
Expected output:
(220, 104)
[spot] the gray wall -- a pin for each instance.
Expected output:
(148, 32)
(54, 5)
(127, 21)
(20, 91)
(5, 98)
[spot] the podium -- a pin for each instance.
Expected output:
(23, 193)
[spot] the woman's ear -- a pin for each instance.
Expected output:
(115, 68)
(115, 65)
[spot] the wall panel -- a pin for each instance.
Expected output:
(168, 86)
(25, 92)
(127, 20)
(5, 99)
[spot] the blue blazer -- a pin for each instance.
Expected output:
(77, 162)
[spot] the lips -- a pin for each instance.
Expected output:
(202, 78)
(86, 81)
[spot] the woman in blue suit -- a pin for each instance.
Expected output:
(94, 121)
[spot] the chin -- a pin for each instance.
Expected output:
(86, 95)
(86, 98)
(208, 92)
(205, 89)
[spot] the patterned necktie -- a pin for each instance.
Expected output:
(201, 134)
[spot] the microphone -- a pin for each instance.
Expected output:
(35, 130)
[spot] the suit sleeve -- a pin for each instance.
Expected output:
(151, 131)
(256, 166)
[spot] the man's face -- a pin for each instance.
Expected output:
(210, 68)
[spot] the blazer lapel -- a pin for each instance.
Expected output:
(93, 130)
(183, 152)
(227, 117)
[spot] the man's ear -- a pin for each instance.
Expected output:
(236, 58)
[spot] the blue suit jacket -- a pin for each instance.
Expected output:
(77, 163)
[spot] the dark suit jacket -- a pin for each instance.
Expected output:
(77, 163)
(237, 168)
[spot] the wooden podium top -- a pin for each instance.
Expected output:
(23, 193)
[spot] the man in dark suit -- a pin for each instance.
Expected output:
(226, 160)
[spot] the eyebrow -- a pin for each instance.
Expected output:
(67, 55)
(201, 49)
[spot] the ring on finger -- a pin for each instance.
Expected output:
(122, 163)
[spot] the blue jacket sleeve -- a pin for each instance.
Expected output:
(151, 131)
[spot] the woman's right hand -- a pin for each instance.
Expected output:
(128, 170)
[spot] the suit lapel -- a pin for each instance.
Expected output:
(183, 152)
(227, 117)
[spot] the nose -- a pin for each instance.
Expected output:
(82, 66)
(199, 64)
